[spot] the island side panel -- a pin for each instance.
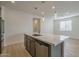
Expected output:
(57, 51)
(49, 51)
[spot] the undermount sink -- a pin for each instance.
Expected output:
(36, 35)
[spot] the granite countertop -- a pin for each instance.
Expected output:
(49, 38)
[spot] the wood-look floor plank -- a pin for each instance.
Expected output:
(15, 50)
(71, 48)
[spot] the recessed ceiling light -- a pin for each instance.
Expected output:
(35, 8)
(12, 1)
(42, 1)
(53, 7)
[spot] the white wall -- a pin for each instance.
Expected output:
(47, 25)
(75, 27)
(17, 23)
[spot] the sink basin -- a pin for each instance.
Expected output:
(36, 35)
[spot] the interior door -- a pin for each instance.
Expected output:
(36, 25)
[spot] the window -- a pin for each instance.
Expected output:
(66, 25)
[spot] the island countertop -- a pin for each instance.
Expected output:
(49, 38)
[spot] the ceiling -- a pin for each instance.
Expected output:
(62, 8)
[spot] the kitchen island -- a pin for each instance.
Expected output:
(44, 45)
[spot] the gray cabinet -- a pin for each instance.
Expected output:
(35, 47)
(32, 47)
(0, 46)
(1, 32)
(39, 48)
(29, 45)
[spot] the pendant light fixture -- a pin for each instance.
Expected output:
(55, 15)
(12, 1)
(43, 18)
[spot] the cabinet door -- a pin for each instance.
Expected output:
(25, 40)
(27, 43)
(32, 47)
(0, 47)
(41, 50)
(0, 37)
